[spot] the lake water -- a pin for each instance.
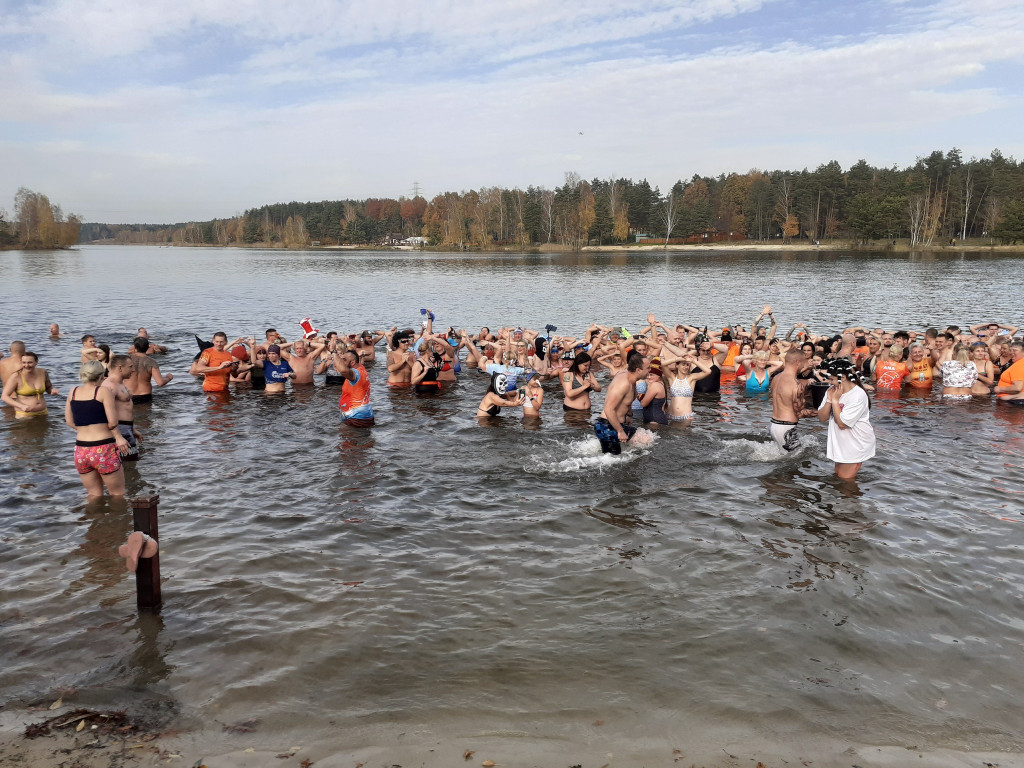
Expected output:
(451, 581)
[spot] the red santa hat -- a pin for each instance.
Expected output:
(308, 330)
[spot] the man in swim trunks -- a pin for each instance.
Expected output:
(140, 385)
(400, 360)
(788, 401)
(302, 358)
(121, 370)
(1010, 388)
(609, 427)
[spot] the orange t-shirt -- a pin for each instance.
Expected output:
(1014, 373)
(730, 356)
(889, 375)
(921, 374)
(216, 381)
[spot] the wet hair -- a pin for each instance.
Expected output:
(1016, 345)
(931, 333)
(805, 345)
(962, 354)
(901, 335)
(634, 362)
(33, 355)
(117, 360)
(577, 361)
(92, 371)
(896, 352)
(141, 343)
(270, 331)
(106, 352)
(221, 334)
(17, 347)
(947, 336)
(87, 337)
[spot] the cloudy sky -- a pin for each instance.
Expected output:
(171, 110)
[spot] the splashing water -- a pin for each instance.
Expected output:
(585, 455)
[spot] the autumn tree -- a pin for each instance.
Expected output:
(295, 234)
(669, 213)
(41, 224)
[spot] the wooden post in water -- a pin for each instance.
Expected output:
(147, 575)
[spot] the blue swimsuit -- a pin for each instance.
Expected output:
(756, 387)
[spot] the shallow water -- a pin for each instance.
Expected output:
(435, 570)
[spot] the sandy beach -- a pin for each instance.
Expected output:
(525, 743)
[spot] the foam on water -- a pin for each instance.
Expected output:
(762, 451)
(585, 455)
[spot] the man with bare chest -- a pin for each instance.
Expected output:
(146, 372)
(788, 401)
(302, 358)
(122, 369)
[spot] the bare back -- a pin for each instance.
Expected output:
(786, 396)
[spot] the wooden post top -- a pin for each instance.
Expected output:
(147, 502)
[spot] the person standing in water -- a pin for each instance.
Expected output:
(788, 401)
(610, 428)
(90, 411)
(354, 402)
(146, 372)
(26, 386)
(120, 372)
(847, 409)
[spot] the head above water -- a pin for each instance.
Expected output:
(498, 383)
(581, 359)
(91, 371)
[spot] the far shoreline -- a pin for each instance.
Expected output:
(833, 246)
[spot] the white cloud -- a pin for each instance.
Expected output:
(459, 95)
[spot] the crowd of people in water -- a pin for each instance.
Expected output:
(650, 376)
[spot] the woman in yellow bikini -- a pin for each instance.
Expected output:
(25, 388)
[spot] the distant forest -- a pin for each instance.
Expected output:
(939, 198)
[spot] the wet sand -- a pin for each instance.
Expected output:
(522, 744)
